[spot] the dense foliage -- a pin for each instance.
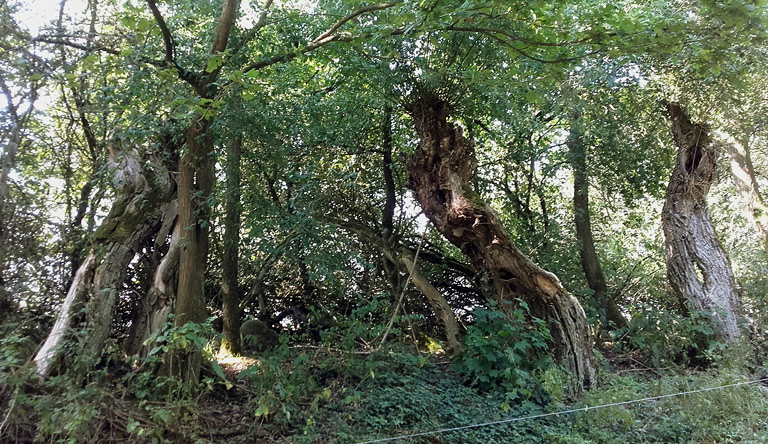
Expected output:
(172, 171)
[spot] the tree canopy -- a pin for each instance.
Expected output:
(523, 198)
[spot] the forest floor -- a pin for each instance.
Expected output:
(312, 395)
(325, 396)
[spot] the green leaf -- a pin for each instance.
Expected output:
(217, 369)
(213, 63)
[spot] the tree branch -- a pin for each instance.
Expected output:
(350, 16)
(323, 39)
(167, 37)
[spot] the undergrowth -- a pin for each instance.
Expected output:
(314, 394)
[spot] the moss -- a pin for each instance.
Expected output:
(472, 196)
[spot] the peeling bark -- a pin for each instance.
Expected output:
(133, 219)
(439, 175)
(697, 267)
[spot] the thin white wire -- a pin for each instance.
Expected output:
(562, 412)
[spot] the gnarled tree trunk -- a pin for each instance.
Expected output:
(439, 174)
(159, 301)
(697, 267)
(143, 197)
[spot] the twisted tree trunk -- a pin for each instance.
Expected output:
(439, 175)
(143, 197)
(697, 267)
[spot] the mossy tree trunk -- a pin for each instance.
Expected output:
(439, 175)
(143, 197)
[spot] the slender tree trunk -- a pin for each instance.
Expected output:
(744, 177)
(440, 306)
(590, 264)
(697, 267)
(439, 174)
(229, 285)
(134, 218)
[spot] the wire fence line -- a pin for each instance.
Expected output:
(562, 412)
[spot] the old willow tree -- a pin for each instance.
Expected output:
(440, 173)
(697, 267)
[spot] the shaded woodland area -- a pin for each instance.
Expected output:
(341, 221)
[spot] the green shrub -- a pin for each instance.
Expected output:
(507, 351)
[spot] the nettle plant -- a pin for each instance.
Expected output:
(508, 351)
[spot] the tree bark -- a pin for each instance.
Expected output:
(160, 299)
(133, 219)
(440, 306)
(744, 177)
(697, 267)
(230, 305)
(590, 263)
(439, 175)
(195, 187)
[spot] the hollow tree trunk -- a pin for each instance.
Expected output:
(590, 264)
(697, 267)
(133, 219)
(439, 174)
(744, 177)
(230, 305)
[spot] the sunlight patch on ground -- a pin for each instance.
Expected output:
(233, 365)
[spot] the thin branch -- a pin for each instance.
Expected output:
(511, 36)
(255, 29)
(323, 39)
(350, 16)
(56, 40)
(167, 37)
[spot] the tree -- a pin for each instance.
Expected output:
(582, 221)
(229, 282)
(195, 180)
(697, 267)
(439, 173)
